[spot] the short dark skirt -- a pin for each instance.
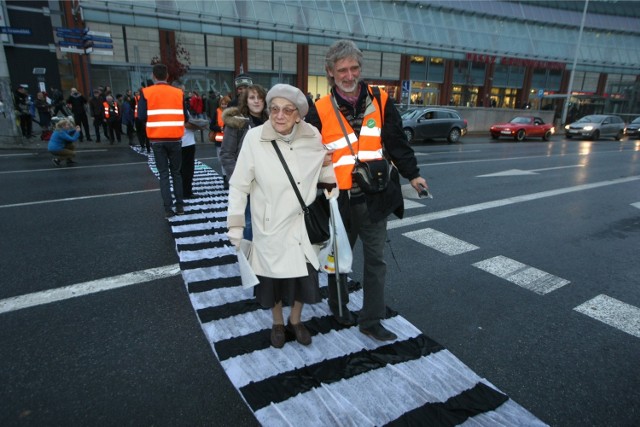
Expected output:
(304, 289)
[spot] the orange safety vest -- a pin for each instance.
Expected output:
(165, 112)
(220, 135)
(105, 104)
(367, 147)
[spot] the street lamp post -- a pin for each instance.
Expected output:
(565, 107)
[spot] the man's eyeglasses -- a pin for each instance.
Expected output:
(287, 111)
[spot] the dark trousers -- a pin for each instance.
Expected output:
(114, 127)
(188, 169)
(141, 133)
(98, 122)
(168, 157)
(26, 124)
(82, 121)
(373, 236)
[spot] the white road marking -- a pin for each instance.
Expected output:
(636, 205)
(86, 288)
(70, 199)
(520, 172)
(440, 241)
(417, 219)
(620, 315)
(522, 275)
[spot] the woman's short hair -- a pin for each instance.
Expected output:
(63, 123)
(340, 50)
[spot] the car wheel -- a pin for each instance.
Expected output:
(409, 134)
(547, 135)
(495, 136)
(454, 136)
(568, 136)
(596, 135)
(619, 135)
(520, 135)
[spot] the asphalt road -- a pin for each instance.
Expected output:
(561, 211)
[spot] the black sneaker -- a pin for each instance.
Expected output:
(378, 332)
(56, 161)
(169, 214)
(179, 210)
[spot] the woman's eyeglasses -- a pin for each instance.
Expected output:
(287, 111)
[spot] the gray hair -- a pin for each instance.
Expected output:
(340, 50)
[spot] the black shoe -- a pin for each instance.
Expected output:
(378, 332)
(169, 214)
(89, 139)
(179, 210)
(346, 319)
(56, 161)
(71, 162)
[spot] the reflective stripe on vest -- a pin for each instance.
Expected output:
(106, 109)
(367, 147)
(135, 110)
(165, 112)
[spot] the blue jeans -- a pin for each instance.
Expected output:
(168, 157)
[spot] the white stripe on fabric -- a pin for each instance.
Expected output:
(345, 160)
(367, 131)
(165, 124)
(506, 415)
(391, 391)
(262, 364)
(165, 111)
(369, 155)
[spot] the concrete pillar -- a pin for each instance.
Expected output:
(8, 129)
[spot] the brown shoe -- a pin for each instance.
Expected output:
(301, 333)
(277, 336)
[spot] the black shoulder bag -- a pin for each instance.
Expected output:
(372, 176)
(316, 215)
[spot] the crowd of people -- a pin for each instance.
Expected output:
(277, 148)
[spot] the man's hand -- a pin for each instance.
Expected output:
(235, 236)
(418, 184)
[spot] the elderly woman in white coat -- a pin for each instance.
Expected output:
(282, 257)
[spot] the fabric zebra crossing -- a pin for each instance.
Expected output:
(343, 378)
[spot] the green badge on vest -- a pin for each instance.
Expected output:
(371, 123)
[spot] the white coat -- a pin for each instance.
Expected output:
(281, 246)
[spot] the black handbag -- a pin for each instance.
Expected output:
(316, 215)
(372, 176)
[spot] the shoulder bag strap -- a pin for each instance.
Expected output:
(344, 130)
(293, 183)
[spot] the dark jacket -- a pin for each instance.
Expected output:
(77, 103)
(396, 147)
(235, 128)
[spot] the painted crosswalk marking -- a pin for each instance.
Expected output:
(612, 312)
(522, 275)
(344, 378)
(441, 242)
(636, 205)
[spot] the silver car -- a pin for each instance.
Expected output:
(596, 126)
(432, 122)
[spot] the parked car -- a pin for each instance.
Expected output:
(596, 126)
(521, 127)
(433, 122)
(633, 129)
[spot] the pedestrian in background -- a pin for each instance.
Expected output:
(281, 256)
(217, 127)
(96, 110)
(141, 132)
(61, 142)
(371, 126)
(23, 107)
(112, 117)
(44, 112)
(161, 107)
(250, 113)
(241, 83)
(77, 103)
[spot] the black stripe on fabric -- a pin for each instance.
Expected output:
(210, 314)
(454, 411)
(208, 262)
(196, 233)
(203, 245)
(210, 209)
(260, 340)
(196, 221)
(211, 284)
(285, 385)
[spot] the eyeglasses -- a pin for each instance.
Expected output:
(287, 111)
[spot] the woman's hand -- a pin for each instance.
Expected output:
(328, 158)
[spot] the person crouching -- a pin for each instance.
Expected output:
(61, 143)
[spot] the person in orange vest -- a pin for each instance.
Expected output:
(162, 108)
(112, 117)
(217, 128)
(361, 113)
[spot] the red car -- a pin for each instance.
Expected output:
(522, 127)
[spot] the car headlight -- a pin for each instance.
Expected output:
(588, 128)
(566, 127)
